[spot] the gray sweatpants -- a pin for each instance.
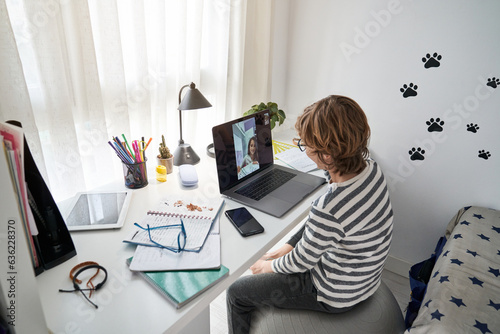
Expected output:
(264, 291)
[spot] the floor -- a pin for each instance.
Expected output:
(399, 286)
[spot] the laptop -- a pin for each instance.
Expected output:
(246, 170)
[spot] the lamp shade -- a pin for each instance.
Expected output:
(193, 99)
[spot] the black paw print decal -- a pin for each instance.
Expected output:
(416, 153)
(493, 82)
(409, 90)
(484, 154)
(472, 127)
(435, 125)
(431, 61)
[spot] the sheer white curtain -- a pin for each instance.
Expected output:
(77, 73)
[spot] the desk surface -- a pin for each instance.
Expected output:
(127, 304)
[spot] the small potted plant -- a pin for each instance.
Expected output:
(165, 158)
(277, 115)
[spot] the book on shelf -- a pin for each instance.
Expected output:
(48, 238)
(180, 287)
(21, 308)
(13, 147)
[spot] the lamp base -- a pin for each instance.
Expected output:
(184, 154)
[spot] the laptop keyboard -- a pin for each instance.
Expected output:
(265, 184)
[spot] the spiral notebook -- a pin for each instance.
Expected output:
(197, 216)
(160, 259)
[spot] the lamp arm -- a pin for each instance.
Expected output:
(180, 92)
(181, 141)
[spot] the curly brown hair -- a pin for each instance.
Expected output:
(336, 126)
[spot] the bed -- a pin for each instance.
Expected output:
(463, 291)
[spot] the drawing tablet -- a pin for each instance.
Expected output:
(98, 210)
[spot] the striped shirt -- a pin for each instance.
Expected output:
(345, 240)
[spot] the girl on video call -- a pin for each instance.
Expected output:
(335, 260)
(252, 156)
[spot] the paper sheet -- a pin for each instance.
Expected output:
(158, 259)
(297, 159)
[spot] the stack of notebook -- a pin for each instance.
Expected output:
(179, 276)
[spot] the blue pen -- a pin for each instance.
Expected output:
(125, 156)
(122, 146)
(118, 153)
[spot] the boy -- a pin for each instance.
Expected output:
(336, 259)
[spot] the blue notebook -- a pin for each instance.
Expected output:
(180, 287)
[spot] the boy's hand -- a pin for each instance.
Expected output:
(283, 250)
(263, 265)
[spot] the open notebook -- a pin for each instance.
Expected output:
(202, 247)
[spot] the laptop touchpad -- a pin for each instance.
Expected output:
(292, 191)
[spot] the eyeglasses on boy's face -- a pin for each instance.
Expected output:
(298, 142)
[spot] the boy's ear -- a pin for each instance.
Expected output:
(327, 158)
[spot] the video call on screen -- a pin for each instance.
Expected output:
(242, 147)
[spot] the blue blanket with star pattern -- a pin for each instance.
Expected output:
(463, 293)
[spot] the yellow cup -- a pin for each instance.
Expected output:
(161, 173)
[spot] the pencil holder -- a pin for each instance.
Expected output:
(136, 175)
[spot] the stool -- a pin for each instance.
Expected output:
(379, 314)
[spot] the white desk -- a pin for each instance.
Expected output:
(127, 304)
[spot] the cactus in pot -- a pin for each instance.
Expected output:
(165, 158)
(164, 151)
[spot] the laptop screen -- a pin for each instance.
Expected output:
(242, 148)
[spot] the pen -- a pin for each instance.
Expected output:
(137, 145)
(136, 150)
(120, 144)
(149, 141)
(125, 139)
(143, 153)
(128, 154)
(118, 153)
(123, 155)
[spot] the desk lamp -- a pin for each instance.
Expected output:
(193, 99)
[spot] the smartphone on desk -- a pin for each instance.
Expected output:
(244, 222)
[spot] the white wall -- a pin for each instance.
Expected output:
(368, 50)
